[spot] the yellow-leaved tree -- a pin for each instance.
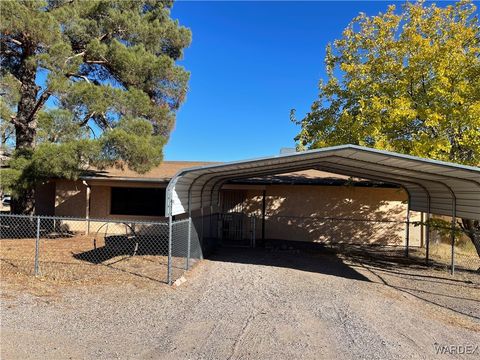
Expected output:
(405, 81)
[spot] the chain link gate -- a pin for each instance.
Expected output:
(237, 230)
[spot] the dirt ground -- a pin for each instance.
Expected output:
(75, 260)
(254, 304)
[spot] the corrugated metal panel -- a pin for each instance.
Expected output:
(439, 184)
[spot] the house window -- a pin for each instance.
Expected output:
(137, 201)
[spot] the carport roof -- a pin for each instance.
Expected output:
(433, 186)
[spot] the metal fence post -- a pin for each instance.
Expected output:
(203, 221)
(407, 229)
(427, 235)
(253, 231)
(422, 229)
(37, 246)
(427, 239)
(189, 241)
(211, 222)
(169, 266)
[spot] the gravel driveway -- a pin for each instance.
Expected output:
(254, 304)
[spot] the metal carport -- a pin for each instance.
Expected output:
(433, 187)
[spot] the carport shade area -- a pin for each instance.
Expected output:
(433, 187)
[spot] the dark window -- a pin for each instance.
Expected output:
(137, 201)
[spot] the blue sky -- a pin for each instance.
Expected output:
(250, 63)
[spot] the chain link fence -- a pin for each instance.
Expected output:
(440, 251)
(184, 252)
(93, 250)
(375, 237)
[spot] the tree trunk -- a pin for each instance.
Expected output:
(23, 203)
(25, 124)
(472, 229)
(26, 121)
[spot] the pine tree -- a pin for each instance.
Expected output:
(110, 93)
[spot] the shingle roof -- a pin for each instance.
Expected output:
(167, 169)
(162, 173)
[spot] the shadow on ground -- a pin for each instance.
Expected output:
(313, 258)
(432, 284)
(119, 245)
(387, 266)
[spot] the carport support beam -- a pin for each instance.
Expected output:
(427, 229)
(264, 206)
(407, 229)
(422, 229)
(452, 234)
(169, 266)
(427, 239)
(187, 265)
(202, 228)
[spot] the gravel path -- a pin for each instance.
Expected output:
(253, 304)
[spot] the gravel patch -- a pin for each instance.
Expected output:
(249, 304)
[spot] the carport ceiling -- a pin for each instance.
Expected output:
(433, 186)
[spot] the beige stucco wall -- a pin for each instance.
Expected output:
(71, 200)
(293, 212)
(345, 214)
(100, 202)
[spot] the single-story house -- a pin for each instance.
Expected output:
(308, 205)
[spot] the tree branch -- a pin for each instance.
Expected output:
(10, 47)
(104, 121)
(74, 56)
(15, 41)
(41, 100)
(78, 76)
(15, 122)
(96, 61)
(93, 132)
(86, 118)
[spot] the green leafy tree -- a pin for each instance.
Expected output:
(86, 83)
(404, 81)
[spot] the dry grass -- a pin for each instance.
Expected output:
(466, 258)
(75, 261)
(440, 254)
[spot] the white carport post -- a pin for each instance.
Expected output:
(407, 227)
(189, 246)
(189, 241)
(169, 264)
